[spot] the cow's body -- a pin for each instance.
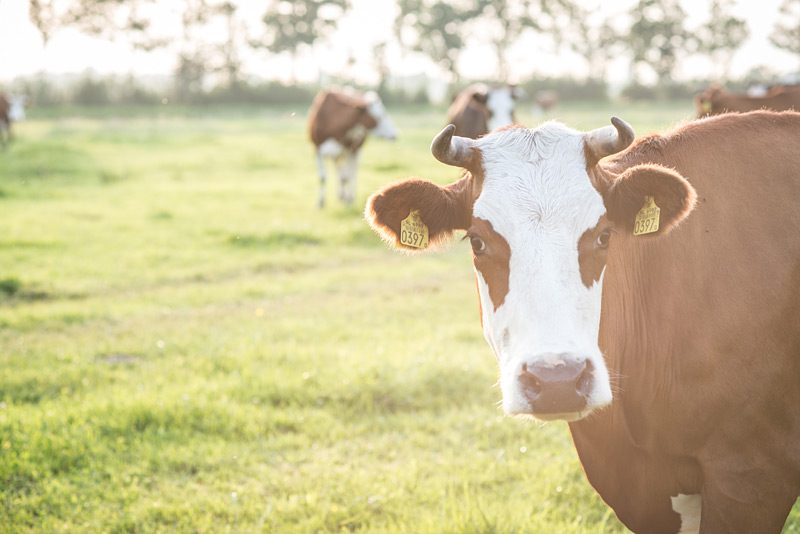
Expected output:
(339, 122)
(479, 109)
(716, 100)
(699, 329)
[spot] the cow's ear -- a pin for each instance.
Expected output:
(629, 193)
(441, 209)
(480, 97)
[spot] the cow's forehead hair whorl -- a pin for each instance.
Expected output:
(540, 176)
(528, 145)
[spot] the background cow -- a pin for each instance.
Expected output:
(716, 99)
(339, 122)
(12, 109)
(479, 109)
(5, 121)
(699, 330)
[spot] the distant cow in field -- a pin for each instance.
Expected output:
(12, 109)
(5, 121)
(646, 292)
(479, 109)
(716, 100)
(339, 122)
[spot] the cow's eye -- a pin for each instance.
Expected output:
(478, 246)
(604, 238)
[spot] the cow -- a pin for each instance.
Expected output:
(12, 109)
(479, 109)
(338, 124)
(716, 100)
(648, 293)
(5, 121)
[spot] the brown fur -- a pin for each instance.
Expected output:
(591, 257)
(494, 263)
(716, 100)
(469, 113)
(702, 328)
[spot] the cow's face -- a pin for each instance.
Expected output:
(384, 127)
(540, 230)
(539, 237)
(500, 103)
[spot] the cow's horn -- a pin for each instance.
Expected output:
(450, 149)
(610, 139)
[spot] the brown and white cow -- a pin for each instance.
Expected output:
(674, 354)
(479, 109)
(5, 121)
(716, 100)
(339, 122)
(12, 109)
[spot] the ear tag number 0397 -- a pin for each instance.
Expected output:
(413, 232)
(646, 221)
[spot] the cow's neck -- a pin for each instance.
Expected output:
(617, 445)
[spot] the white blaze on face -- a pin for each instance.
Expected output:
(538, 198)
(385, 128)
(500, 102)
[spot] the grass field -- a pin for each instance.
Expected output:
(188, 345)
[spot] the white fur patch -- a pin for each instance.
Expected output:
(500, 102)
(16, 107)
(331, 149)
(689, 507)
(538, 196)
(385, 128)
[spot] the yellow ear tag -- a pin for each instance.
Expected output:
(647, 219)
(706, 105)
(413, 232)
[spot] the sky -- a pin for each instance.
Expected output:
(369, 22)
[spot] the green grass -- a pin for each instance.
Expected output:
(188, 345)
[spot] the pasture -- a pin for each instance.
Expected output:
(188, 345)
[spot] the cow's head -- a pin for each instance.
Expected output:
(500, 103)
(540, 213)
(708, 102)
(384, 127)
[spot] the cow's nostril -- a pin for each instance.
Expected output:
(584, 383)
(530, 382)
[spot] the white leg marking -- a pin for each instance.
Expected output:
(321, 170)
(352, 163)
(342, 169)
(689, 507)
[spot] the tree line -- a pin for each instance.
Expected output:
(210, 37)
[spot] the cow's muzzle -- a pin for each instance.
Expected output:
(555, 384)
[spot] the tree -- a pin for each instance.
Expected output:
(786, 34)
(292, 25)
(657, 37)
(586, 32)
(721, 35)
(504, 21)
(436, 28)
(49, 16)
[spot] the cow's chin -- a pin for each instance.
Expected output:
(569, 417)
